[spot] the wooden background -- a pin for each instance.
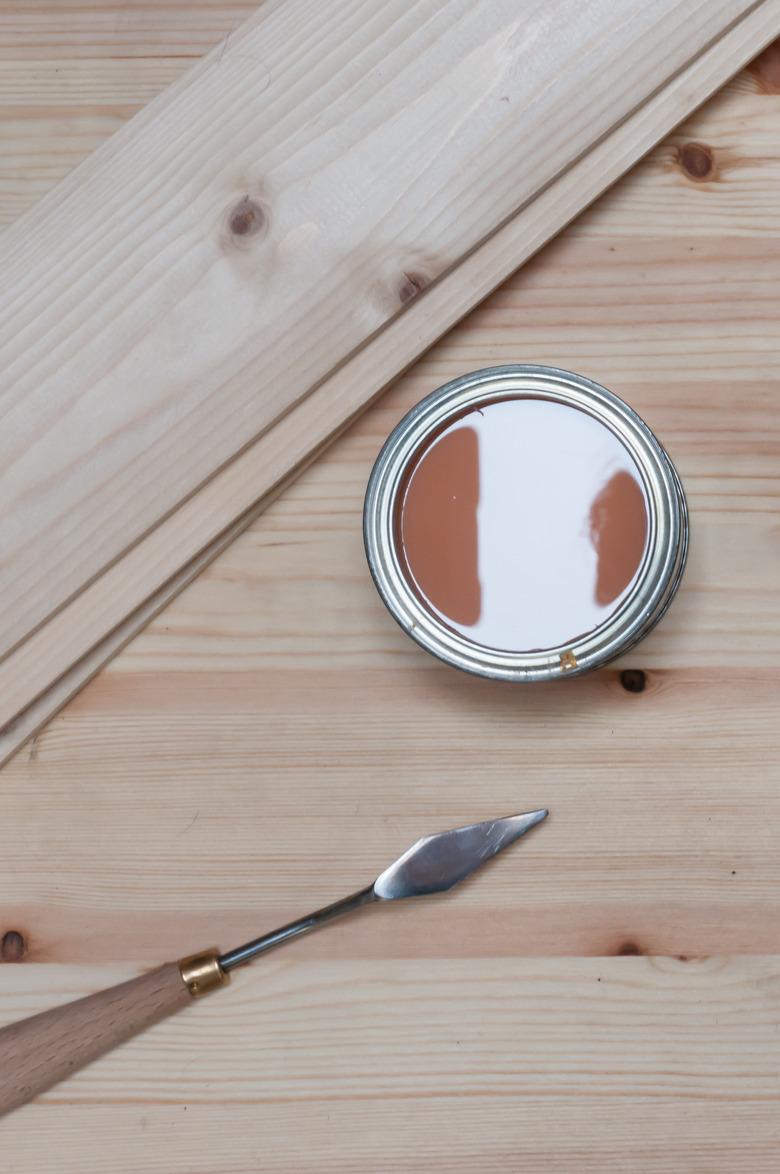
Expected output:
(605, 998)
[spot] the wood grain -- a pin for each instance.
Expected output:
(38, 1052)
(77, 103)
(203, 745)
(117, 604)
(95, 30)
(553, 1133)
(217, 235)
(624, 1064)
(273, 725)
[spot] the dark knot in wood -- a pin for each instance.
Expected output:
(247, 219)
(633, 680)
(697, 161)
(411, 284)
(13, 946)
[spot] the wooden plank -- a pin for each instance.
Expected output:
(665, 816)
(205, 524)
(640, 1132)
(34, 29)
(71, 103)
(624, 1064)
(60, 86)
(152, 317)
(59, 109)
(741, 128)
(216, 742)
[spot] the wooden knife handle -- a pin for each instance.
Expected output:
(39, 1052)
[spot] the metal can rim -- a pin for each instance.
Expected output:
(659, 574)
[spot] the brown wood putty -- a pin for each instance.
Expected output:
(523, 524)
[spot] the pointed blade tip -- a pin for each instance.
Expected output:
(529, 819)
(404, 879)
(518, 825)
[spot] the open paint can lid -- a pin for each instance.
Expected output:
(524, 523)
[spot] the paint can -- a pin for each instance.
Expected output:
(524, 523)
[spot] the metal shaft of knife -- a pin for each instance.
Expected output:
(294, 929)
(432, 865)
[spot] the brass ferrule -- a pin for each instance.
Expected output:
(202, 973)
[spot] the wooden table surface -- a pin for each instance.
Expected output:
(607, 997)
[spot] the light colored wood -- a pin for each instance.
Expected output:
(77, 102)
(293, 762)
(274, 724)
(117, 605)
(38, 1052)
(638, 1132)
(54, 114)
(105, 32)
(137, 320)
(625, 1064)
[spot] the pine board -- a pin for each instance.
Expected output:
(626, 1064)
(272, 738)
(104, 32)
(121, 601)
(374, 149)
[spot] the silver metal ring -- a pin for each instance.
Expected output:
(665, 553)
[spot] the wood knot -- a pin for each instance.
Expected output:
(628, 948)
(697, 161)
(633, 680)
(411, 284)
(13, 947)
(247, 219)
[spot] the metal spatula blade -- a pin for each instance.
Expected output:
(436, 863)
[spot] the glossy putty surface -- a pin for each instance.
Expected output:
(522, 524)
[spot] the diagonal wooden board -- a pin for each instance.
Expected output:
(213, 517)
(264, 218)
(268, 215)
